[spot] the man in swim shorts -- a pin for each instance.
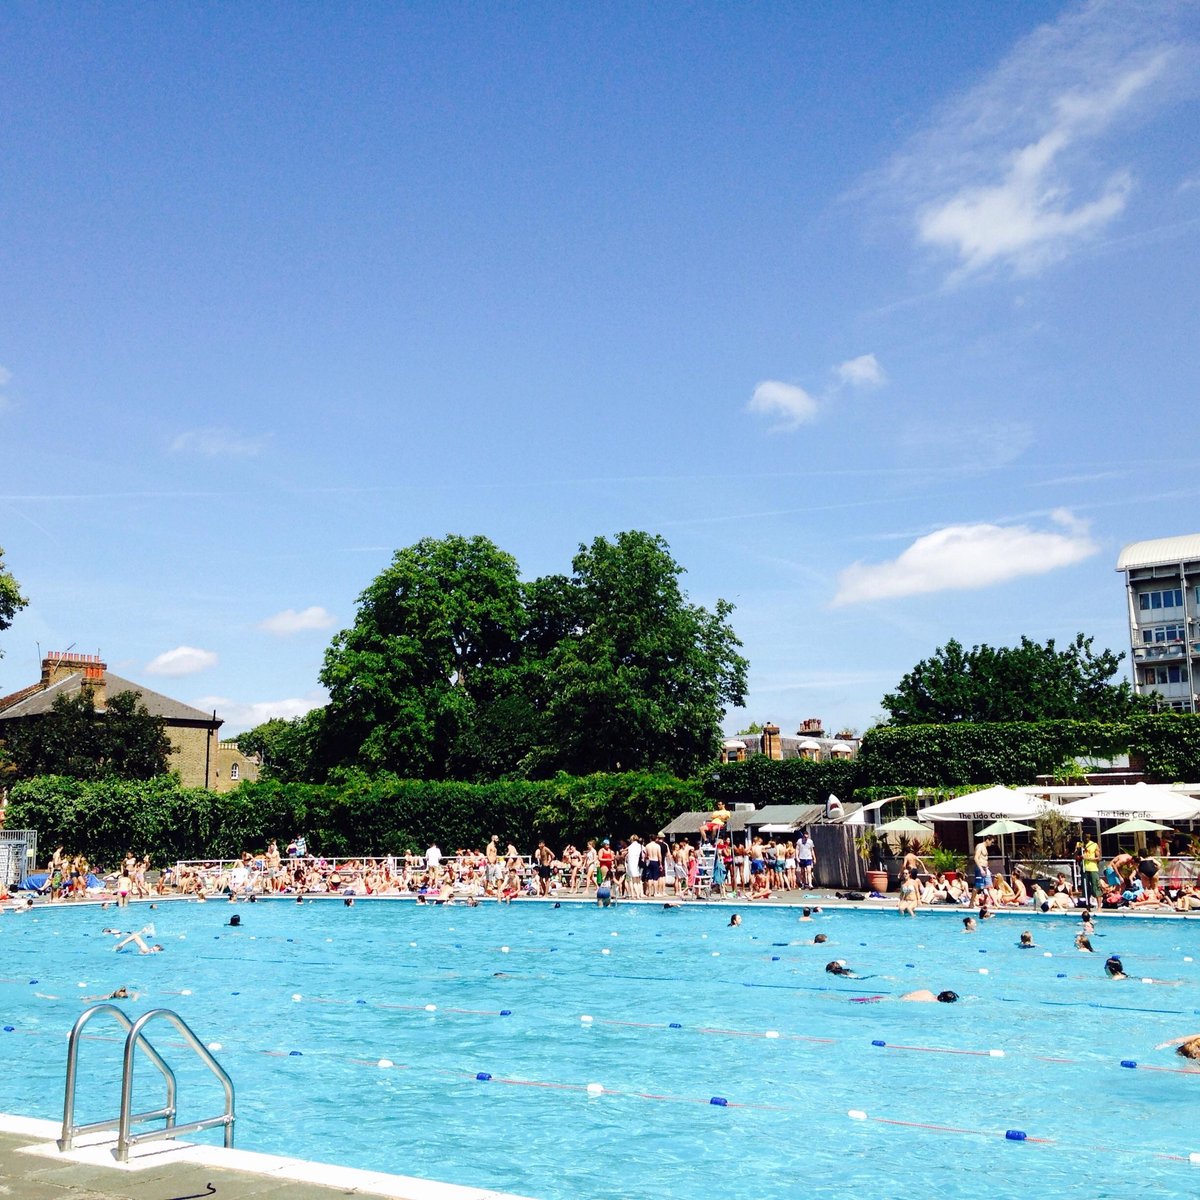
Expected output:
(983, 874)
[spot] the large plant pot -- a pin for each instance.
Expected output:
(877, 881)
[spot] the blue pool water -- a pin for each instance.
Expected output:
(681, 1007)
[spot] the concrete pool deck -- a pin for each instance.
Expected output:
(33, 1168)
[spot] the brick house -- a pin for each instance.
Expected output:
(197, 754)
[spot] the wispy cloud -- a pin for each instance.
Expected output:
(183, 660)
(792, 406)
(217, 442)
(1014, 173)
(240, 715)
(289, 622)
(967, 557)
(968, 448)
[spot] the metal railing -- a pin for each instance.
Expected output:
(136, 1039)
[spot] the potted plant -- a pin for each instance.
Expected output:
(947, 862)
(870, 849)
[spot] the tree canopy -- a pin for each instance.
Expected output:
(1027, 682)
(121, 741)
(11, 600)
(454, 668)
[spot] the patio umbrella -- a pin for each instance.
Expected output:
(1003, 826)
(990, 802)
(1154, 802)
(905, 825)
(1139, 825)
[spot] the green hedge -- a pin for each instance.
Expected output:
(358, 814)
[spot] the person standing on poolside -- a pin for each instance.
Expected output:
(983, 874)
(652, 868)
(604, 862)
(633, 868)
(806, 859)
(910, 895)
(543, 859)
(1091, 870)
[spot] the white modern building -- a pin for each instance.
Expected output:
(1162, 587)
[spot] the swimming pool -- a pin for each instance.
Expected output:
(480, 1014)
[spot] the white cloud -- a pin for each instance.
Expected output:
(288, 622)
(183, 660)
(965, 557)
(863, 371)
(1013, 173)
(217, 442)
(239, 715)
(791, 405)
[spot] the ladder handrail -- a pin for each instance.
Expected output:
(125, 1139)
(136, 1039)
(69, 1129)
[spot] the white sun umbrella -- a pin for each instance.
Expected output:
(995, 801)
(1152, 801)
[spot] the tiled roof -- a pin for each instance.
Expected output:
(37, 701)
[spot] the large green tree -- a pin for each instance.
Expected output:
(455, 669)
(121, 741)
(1026, 682)
(432, 644)
(638, 677)
(286, 748)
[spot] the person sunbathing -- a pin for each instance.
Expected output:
(1003, 893)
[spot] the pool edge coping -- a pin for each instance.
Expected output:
(43, 1134)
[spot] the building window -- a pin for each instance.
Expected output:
(1160, 676)
(1163, 633)
(233, 772)
(1171, 598)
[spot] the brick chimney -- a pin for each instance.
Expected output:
(772, 747)
(59, 665)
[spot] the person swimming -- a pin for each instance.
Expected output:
(1026, 942)
(1083, 942)
(1113, 967)
(735, 920)
(925, 996)
(969, 925)
(820, 939)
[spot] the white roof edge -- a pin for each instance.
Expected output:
(1159, 552)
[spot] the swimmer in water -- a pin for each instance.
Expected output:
(806, 915)
(969, 925)
(925, 996)
(137, 940)
(735, 920)
(1113, 968)
(1026, 942)
(1187, 1046)
(1083, 942)
(122, 993)
(820, 939)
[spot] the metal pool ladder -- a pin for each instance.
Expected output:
(135, 1039)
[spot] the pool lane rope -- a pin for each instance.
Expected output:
(1021, 1136)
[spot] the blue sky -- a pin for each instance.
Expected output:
(884, 315)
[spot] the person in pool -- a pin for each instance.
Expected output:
(1187, 1046)
(735, 920)
(1113, 968)
(1026, 942)
(969, 925)
(925, 996)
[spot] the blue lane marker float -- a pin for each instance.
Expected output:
(483, 1076)
(295, 1054)
(877, 1042)
(774, 957)
(719, 1101)
(1016, 1135)
(1129, 1062)
(675, 1025)
(506, 1012)
(10, 1028)
(32, 982)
